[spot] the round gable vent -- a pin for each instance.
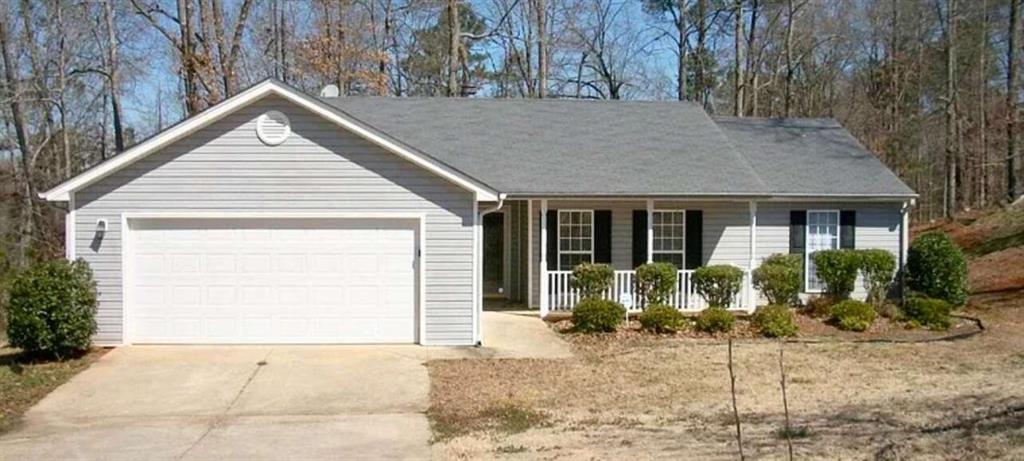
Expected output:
(273, 128)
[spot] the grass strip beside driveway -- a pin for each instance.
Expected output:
(25, 381)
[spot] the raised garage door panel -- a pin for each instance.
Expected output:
(272, 281)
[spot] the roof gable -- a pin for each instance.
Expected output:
(268, 87)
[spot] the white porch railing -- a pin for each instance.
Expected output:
(562, 297)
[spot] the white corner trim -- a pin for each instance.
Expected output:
(62, 192)
(70, 249)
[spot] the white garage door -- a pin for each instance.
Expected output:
(272, 281)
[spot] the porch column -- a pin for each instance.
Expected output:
(650, 231)
(751, 297)
(544, 306)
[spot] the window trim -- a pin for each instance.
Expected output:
(558, 237)
(670, 252)
(807, 242)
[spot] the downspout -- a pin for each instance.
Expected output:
(904, 247)
(480, 266)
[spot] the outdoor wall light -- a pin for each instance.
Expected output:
(101, 227)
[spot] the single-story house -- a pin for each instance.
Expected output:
(281, 217)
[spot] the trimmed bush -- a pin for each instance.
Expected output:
(718, 284)
(852, 315)
(52, 308)
(661, 318)
(595, 315)
(592, 279)
(715, 320)
(778, 278)
(930, 312)
(937, 269)
(878, 267)
(655, 282)
(774, 321)
(838, 270)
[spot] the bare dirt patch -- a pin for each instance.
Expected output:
(633, 395)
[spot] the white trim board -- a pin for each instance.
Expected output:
(62, 192)
(126, 253)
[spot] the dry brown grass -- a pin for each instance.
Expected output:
(640, 396)
(24, 380)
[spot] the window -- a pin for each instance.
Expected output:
(822, 234)
(575, 238)
(669, 240)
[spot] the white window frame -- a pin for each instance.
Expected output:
(558, 237)
(807, 242)
(653, 237)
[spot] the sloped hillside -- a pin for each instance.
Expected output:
(993, 240)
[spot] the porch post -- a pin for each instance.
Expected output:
(748, 284)
(650, 231)
(544, 305)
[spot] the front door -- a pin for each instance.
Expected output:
(494, 254)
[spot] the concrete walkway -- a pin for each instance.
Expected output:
(257, 402)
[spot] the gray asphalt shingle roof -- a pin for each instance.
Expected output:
(811, 156)
(571, 147)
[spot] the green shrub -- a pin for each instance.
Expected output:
(655, 282)
(774, 321)
(718, 284)
(837, 269)
(595, 315)
(52, 308)
(930, 312)
(937, 269)
(661, 318)
(715, 320)
(592, 279)
(778, 278)
(852, 315)
(878, 267)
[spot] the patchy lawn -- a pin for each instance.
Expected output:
(23, 381)
(643, 397)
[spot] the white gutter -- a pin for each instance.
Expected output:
(478, 263)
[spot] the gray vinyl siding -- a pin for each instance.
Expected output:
(726, 233)
(878, 227)
(320, 168)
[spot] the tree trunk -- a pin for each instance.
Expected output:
(951, 138)
(188, 58)
(62, 76)
(1012, 114)
(453, 48)
(751, 73)
(702, 32)
(542, 49)
(738, 39)
(112, 74)
(27, 216)
(788, 97)
(681, 30)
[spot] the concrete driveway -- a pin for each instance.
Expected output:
(243, 402)
(257, 402)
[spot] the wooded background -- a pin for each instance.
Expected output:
(930, 86)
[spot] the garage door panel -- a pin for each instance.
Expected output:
(273, 281)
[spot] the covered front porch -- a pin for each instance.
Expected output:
(539, 240)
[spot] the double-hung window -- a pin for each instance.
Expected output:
(669, 242)
(822, 234)
(575, 238)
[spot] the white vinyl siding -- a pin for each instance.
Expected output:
(320, 168)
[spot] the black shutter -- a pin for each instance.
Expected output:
(694, 239)
(797, 230)
(552, 240)
(603, 236)
(847, 229)
(639, 238)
